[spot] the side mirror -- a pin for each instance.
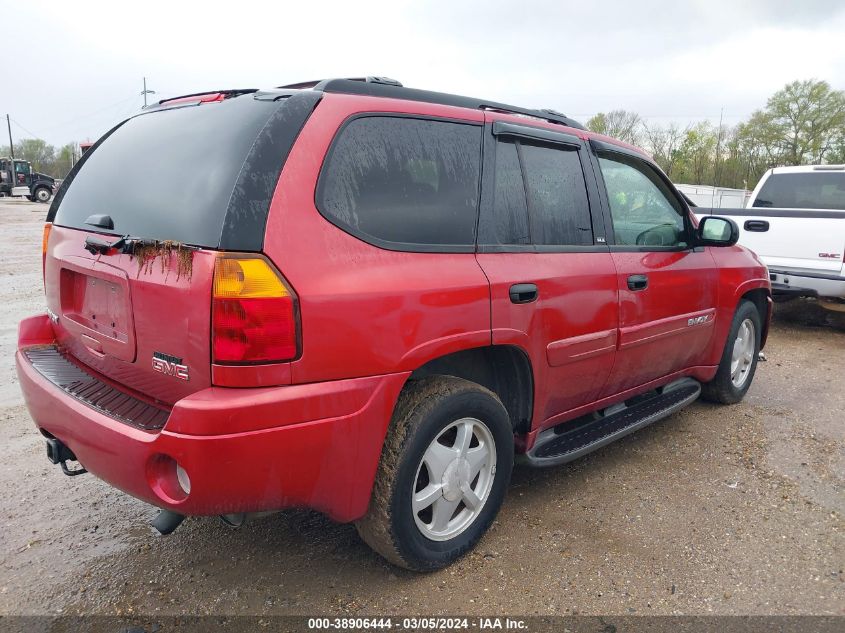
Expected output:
(715, 231)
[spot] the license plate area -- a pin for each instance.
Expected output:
(96, 309)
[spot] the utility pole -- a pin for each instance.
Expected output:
(716, 157)
(146, 92)
(11, 145)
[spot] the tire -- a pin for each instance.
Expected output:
(419, 446)
(42, 194)
(732, 381)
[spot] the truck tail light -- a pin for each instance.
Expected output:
(254, 312)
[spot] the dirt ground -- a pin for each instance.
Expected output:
(715, 510)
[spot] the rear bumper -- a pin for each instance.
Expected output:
(806, 284)
(314, 446)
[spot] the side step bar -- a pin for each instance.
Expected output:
(575, 438)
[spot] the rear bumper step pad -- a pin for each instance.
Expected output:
(554, 448)
(54, 365)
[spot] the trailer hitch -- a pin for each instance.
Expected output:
(60, 454)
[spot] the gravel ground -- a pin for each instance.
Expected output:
(715, 510)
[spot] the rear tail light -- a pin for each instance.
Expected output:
(254, 312)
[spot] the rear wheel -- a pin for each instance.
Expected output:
(739, 358)
(443, 474)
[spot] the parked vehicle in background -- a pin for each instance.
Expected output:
(17, 178)
(381, 296)
(795, 222)
(715, 197)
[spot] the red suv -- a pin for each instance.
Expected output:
(368, 300)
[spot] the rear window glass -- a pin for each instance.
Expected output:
(814, 190)
(169, 174)
(397, 181)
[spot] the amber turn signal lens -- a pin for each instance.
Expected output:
(246, 279)
(45, 237)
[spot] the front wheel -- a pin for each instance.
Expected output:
(42, 194)
(739, 358)
(444, 470)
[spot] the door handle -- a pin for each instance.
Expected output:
(523, 293)
(637, 282)
(756, 226)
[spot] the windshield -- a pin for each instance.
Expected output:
(811, 190)
(170, 174)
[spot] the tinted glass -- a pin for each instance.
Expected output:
(814, 190)
(168, 174)
(404, 180)
(644, 211)
(509, 223)
(557, 196)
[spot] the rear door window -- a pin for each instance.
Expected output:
(539, 197)
(509, 221)
(404, 183)
(557, 196)
(811, 190)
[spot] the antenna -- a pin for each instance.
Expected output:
(146, 92)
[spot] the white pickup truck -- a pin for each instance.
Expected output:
(795, 222)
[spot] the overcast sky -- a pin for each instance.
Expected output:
(74, 67)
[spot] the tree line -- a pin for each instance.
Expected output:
(44, 157)
(802, 124)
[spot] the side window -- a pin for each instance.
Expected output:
(643, 209)
(404, 181)
(557, 196)
(539, 197)
(510, 211)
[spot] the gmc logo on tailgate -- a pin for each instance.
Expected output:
(170, 366)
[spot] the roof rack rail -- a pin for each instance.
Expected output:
(386, 87)
(318, 83)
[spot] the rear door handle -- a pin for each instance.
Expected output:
(637, 282)
(756, 226)
(523, 293)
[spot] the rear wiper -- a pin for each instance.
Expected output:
(127, 245)
(95, 246)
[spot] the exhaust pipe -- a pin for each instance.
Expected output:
(166, 522)
(233, 520)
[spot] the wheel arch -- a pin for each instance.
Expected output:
(503, 369)
(761, 297)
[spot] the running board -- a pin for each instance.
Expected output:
(575, 438)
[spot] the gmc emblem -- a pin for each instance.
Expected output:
(829, 255)
(170, 366)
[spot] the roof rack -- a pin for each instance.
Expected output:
(386, 87)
